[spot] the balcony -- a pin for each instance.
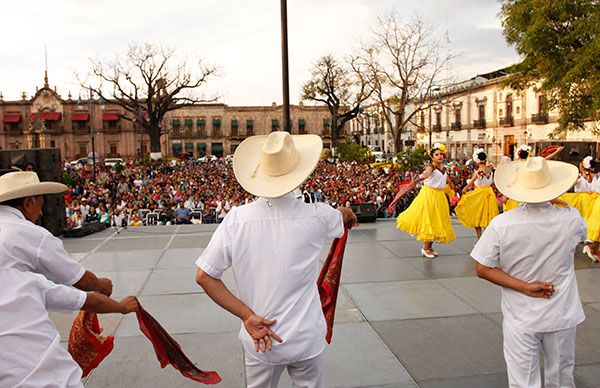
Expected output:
(183, 135)
(479, 124)
(540, 118)
(14, 131)
(456, 126)
(506, 121)
(437, 128)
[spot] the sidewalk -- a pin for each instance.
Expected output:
(401, 320)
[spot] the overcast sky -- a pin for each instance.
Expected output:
(242, 38)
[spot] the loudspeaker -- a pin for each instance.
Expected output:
(47, 164)
(365, 212)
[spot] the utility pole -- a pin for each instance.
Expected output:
(284, 68)
(91, 102)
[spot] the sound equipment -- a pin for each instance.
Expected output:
(365, 212)
(47, 164)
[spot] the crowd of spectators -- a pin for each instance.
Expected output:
(205, 193)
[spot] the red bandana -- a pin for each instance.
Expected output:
(86, 344)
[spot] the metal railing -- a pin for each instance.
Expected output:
(540, 118)
(480, 123)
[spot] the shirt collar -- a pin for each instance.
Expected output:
(287, 196)
(538, 205)
(9, 210)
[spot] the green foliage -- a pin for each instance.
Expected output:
(351, 151)
(326, 154)
(560, 43)
(68, 179)
(412, 158)
(118, 167)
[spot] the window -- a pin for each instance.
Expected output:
(274, 125)
(201, 127)
(457, 119)
(234, 127)
(518, 109)
(438, 118)
(376, 142)
(82, 149)
(81, 126)
(542, 104)
(52, 144)
(201, 149)
(113, 148)
(216, 131)
(188, 125)
(508, 105)
(481, 109)
(422, 124)
(250, 127)
(301, 126)
(500, 112)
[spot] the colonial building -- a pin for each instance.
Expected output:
(483, 112)
(47, 120)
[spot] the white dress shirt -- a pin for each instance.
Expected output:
(30, 351)
(536, 243)
(274, 247)
(28, 247)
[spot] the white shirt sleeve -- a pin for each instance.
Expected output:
(58, 297)
(487, 249)
(54, 261)
(335, 221)
(217, 256)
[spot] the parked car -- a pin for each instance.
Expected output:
(109, 162)
(80, 162)
(207, 158)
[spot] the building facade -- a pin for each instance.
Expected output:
(483, 112)
(47, 120)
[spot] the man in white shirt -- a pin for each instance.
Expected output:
(529, 252)
(273, 245)
(30, 351)
(28, 247)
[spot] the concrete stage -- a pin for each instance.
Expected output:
(402, 321)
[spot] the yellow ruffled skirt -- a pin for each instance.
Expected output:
(477, 208)
(583, 202)
(509, 205)
(428, 217)
(593, 221)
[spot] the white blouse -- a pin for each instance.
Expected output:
(436, 180)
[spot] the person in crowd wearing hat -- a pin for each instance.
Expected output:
(30, 351)
(529, 252)
(478, 207)
(273, 246)
(428, 216)
(28, 247)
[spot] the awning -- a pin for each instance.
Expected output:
(108, 116)
(234, 123)
(80, 116)
(301, 122)
(216, 122)
(11, 118)
(249, 123)
(274, 123)
(46, 116)
(216, 147)
(200, 122)
(326, 122)
(188, 122)
(175, 122)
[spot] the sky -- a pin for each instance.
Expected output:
(241, 38)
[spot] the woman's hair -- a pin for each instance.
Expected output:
(523, 154)
(481, 157)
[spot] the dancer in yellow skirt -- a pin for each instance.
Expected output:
(476, 208)
(428, 216)
(584, 196)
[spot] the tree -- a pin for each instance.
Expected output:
(147, 84)
(342, 87)
(405, 61)
(560, 44)
(351, 151)
(412, 158)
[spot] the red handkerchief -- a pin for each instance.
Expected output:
(87, 345)
(329, 281)
(168, 351)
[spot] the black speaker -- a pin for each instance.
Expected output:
(365, 212)
(47, 164)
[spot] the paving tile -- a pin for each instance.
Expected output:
(121, 260)
(376, 269)
(79, 256)
(81, 246)
(588, 282)
(412, 248)
(180, 258)
(595, 306)
(445, 347)
(406, 300)
(590, 374)
(496, 317)
(464, 243)
(358, 236)
(478, 293)
(133, 362)
(345, 309)
(444, 266)
(487, 381)
(135, 244)
(195, 241)
(200, 228)
(179, 314)
(125, 283)
(179, 281)
(586, 345)
(389, 233)
(63, 323)
(365, 250)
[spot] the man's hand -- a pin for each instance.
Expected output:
(539, 289)
(348, 216)
(130, 304)
(105, 286)
(258, 328)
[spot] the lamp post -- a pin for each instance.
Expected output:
(433, 89)
(284, 68)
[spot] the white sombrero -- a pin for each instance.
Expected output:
(535, 180)
(275, 164)
(26, 184)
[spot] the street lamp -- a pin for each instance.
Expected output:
(433, 89)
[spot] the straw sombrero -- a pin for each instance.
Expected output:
(275, 164)
(535, 180)
(26, 184)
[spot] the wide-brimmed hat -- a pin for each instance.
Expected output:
(275, 164)
(535, 180)
(26, 184)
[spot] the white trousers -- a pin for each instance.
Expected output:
(304, 374)
(522, 355)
